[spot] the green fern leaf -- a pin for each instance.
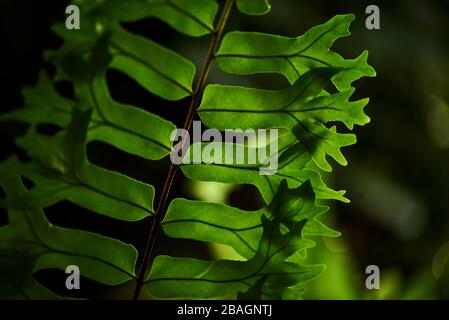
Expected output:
(242, 230)
(181, 277)
(194, 18)
(293, 166)
(249, 53)
(61, 172)
(128, 128)
(157, 69)
(302, 108)
(41, 245)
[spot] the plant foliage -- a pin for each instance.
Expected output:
(272, 241)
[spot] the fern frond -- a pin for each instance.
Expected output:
(272, 241)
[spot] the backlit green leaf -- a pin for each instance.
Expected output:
(250, 52)
(181, 277)
(292, 166)
(39, 245)
(159, 70)
(126, 127)
(62, 172)
(302, 108)
(214, 222)
(194, 18)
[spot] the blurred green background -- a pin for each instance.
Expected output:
(398, 173)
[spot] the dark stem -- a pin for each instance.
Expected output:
(196, 99)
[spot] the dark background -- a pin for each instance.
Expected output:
(398, 173)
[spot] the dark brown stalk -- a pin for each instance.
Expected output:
(195, 101)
